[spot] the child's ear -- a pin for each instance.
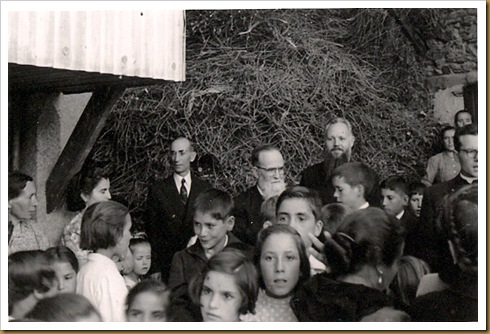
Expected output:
(318, 228)
(360, 189)
(84, 197)
(230, 223)
(405, 199)
(266, 224)
(39, 295)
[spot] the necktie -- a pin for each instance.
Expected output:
(183, 192)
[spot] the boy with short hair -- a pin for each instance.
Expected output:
(354, 182)
(268, 211)
(213, 223)
(394, 196)
(299, 207)
(416, 194)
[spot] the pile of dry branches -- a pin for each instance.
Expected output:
(275, 76)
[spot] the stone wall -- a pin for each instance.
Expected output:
(452, 62)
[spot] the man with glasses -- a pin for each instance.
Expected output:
(169, 208)
(466, 144)
(268, 169)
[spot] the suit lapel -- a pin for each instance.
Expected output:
(170, 190)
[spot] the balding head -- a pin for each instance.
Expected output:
(181, 155)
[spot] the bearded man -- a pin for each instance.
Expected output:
(338, 150)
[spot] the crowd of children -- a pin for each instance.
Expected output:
(358, 259)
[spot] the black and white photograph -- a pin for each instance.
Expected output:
(268, 163)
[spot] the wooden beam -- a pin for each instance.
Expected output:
(80, 143)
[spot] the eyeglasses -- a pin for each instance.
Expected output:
(470, 153)
(272, 171)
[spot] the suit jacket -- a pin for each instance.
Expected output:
(434, 248)
(248, 219)
(187, 264)
(169, 221)
(315, 177)
(411, 225)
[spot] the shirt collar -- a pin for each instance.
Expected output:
(365, 205)
(468, 179)
(400, 215)
(178, 181)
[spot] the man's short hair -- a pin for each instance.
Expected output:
(395, 183)
(17, 183)
(215, 202)
(469, 129)
(339, 120)
(357, 173)
(310, 196)
(261, 148)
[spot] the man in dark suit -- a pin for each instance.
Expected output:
(435, 250)
(338, 149)
(268, 169)
(169, 208)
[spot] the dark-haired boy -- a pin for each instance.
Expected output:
(213, 223)
(354, 182)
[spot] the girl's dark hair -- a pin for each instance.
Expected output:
(83, 183)
(102, 225)
(64, 307)
(233, 262)
(366, 236)
(139, 238)
(17, 182)
(28, 271)
(154, 287)
(264, 234)
(62, 254)
(459, 222)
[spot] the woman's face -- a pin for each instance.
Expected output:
(280, 264)
(100, 193)
(66, 276)
(448, 140)
(220, 298)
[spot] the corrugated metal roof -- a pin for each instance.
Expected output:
(145, 44)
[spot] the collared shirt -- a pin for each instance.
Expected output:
(441, 167)
(400, 215)
(468, 179)
(27, 235)
(178, 182)
(316, 267)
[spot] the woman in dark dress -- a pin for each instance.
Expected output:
(459, 301)
(363, 255)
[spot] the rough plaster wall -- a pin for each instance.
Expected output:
(447, 102)
(69, 109)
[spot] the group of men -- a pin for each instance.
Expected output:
(170, 201)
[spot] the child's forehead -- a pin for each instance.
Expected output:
(340, 180)
(395, 191)
(207, 217)
(142, 247)
(295, 204)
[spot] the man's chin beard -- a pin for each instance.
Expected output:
(331, 162)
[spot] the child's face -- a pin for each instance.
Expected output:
(393, 201)
(297, 213)
(122, 245)
(66, 277)
(148, 307)
(220, 297)
(211, 231)
(142, 259)
(346, 194)
(280, 264)
(416, 204)
(463, 119)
